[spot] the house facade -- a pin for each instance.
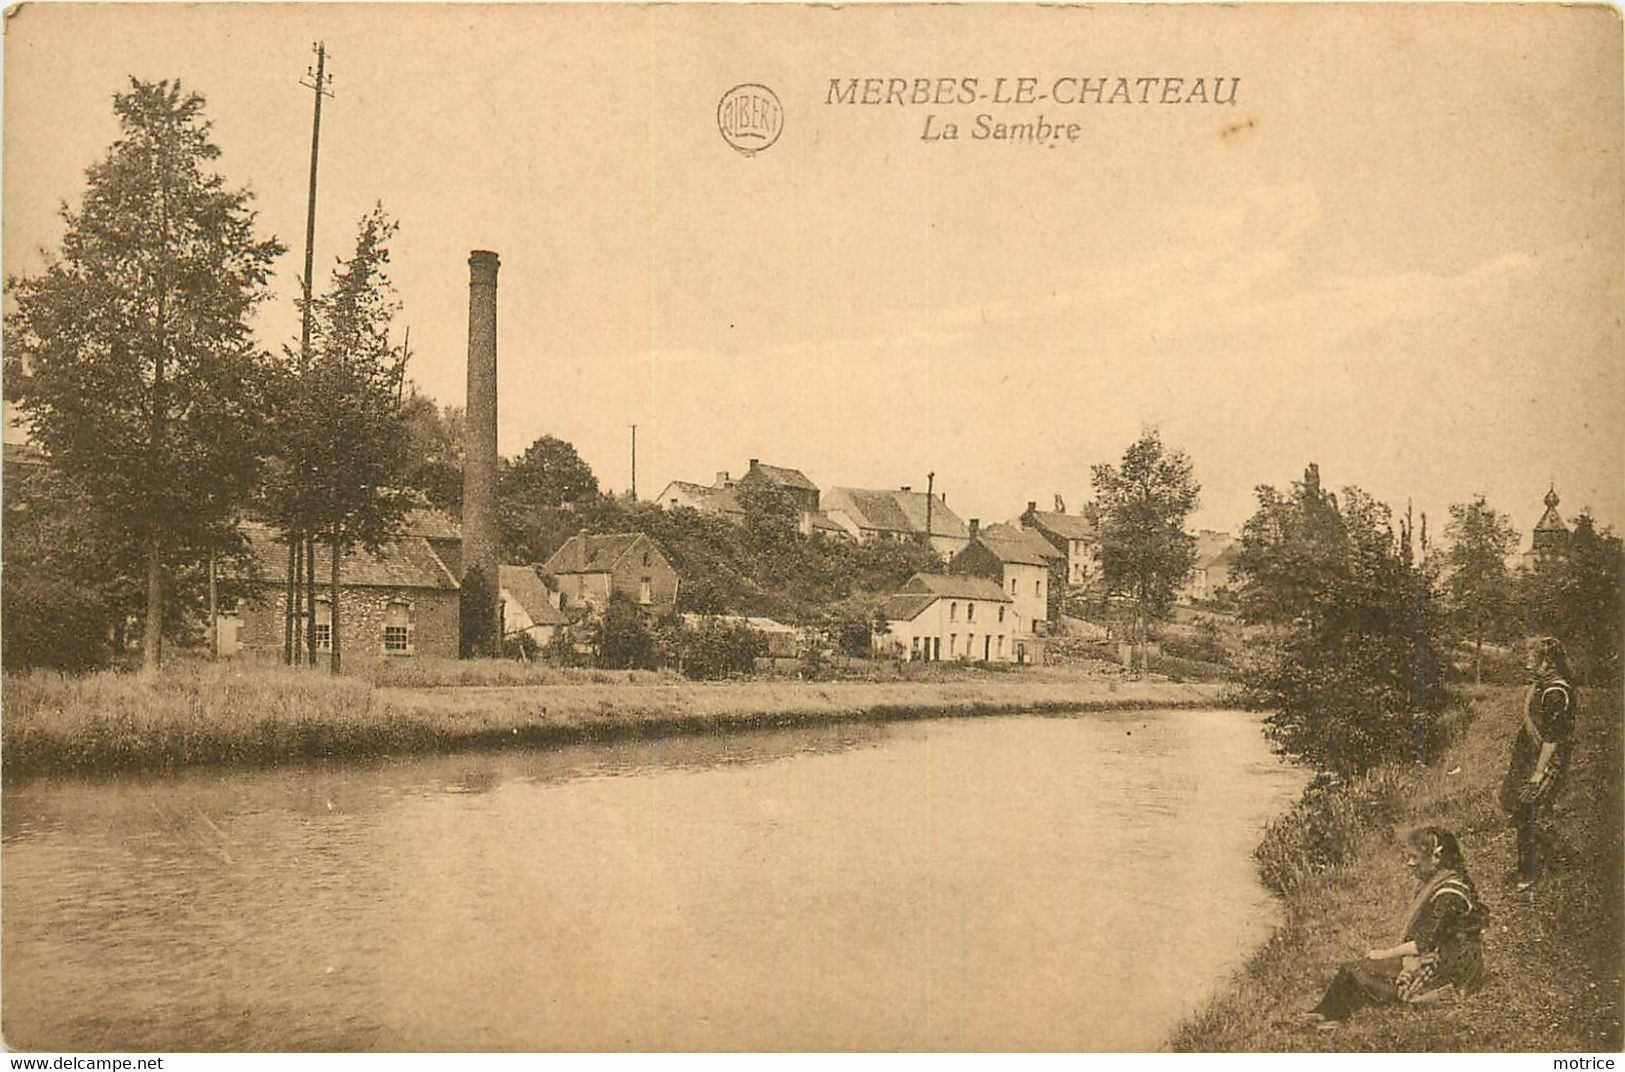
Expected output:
(800, 492)
(1017, 561)
(718, 499)
(869, 515)
(952, 617)
(1214, 568)
(527, 608)
(1072, 535)
(588, 569)
(401, 601)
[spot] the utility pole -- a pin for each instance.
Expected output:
(317, 82)
(634, 463)
(930, 483)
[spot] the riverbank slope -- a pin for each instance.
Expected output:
(1554, 952)
(209, 714)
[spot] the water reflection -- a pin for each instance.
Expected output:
(1017, 882)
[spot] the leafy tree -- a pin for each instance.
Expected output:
(1480, 586)
(130, 356)
(1352, 670)
(1141, 506)
(1576, 597)
(434, 452)
(622, 637)
(476, 623)
(716, 649)
(342, 437)
(542, 498)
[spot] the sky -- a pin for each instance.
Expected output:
(1398, 254)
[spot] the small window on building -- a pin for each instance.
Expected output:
(1038, 588)
(1001, 615)
(953, 644)
(1001, 645)
(646, 590)
(970, 612)
(324, 627)
(398, 629)
(953, 612)
(1012, 586)
(645, 557)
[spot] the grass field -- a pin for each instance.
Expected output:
(219, 714)
(1554, 952)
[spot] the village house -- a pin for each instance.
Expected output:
(718, 498)
(527, 609)
(869, 516)
(801, 493)
(1070, 534)
(397, 602)
(722, 498)
(587, 570)
(1017, 561)
(1214, 568)
(937, 617)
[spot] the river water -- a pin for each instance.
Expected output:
(1007, 882)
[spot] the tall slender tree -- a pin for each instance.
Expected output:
(130, 356)
(1141, 506)
(343, 435)
(1480, 585)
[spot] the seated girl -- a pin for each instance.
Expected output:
(1439, 953)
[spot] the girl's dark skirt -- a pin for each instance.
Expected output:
(1361, 982)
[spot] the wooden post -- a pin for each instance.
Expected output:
(214, 610)
(333, 609)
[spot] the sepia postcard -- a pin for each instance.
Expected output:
(783, 528)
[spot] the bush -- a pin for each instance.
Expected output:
(53, 625)
(521, 646)
(622, 637)
(1324, 828)
(716, 649)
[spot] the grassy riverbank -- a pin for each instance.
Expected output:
(1554, 952)
(208, 714)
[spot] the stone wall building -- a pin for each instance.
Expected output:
(398, 602)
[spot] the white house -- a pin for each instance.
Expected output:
(526, 607)
(937, 617)
(1017, 561)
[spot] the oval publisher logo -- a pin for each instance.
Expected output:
(750, 117)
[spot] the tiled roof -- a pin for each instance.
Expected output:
(706, 498)
(1010, 544)
(525, 585)
(784, 478)
(924, 589)
(956, 586)
(408, 562)
(1066, 526)
(896, 511)
(431, 524)
(821, 520)
(23, 454)
(590, 554)
(905, 606)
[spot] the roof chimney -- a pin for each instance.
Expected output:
(975, 527)
(722, 478)
(754, 462)
(480, 547)
(905, 487)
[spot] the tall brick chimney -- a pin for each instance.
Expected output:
(480, 541)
